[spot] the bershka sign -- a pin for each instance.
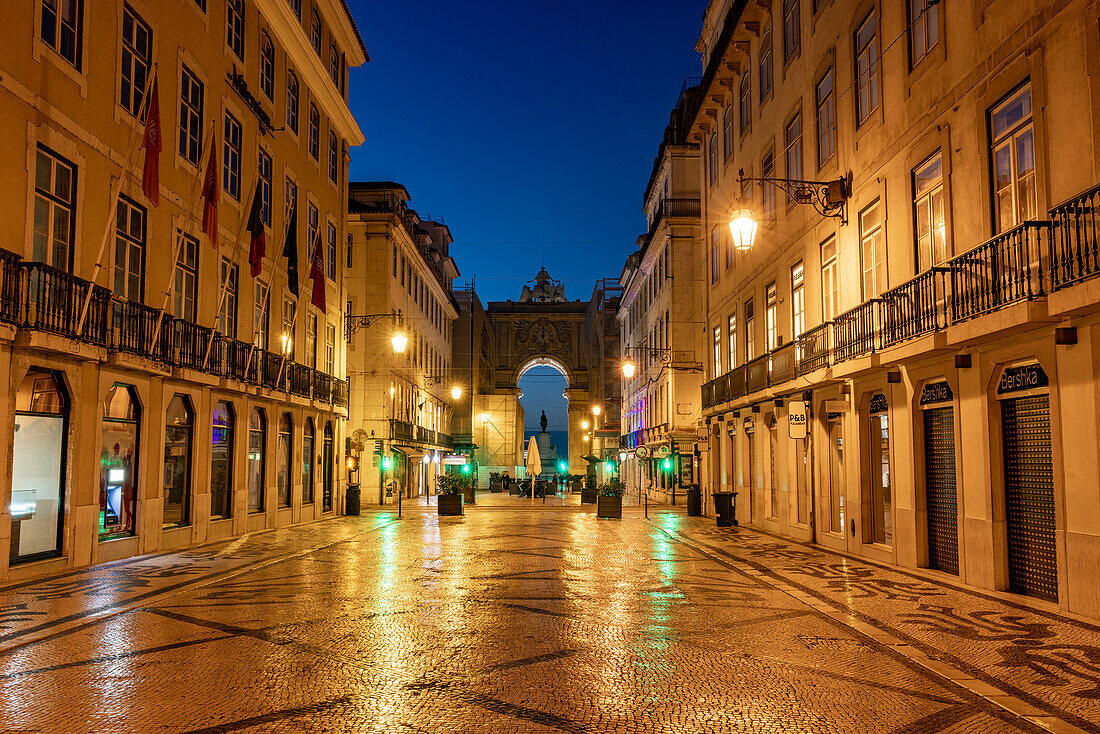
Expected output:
(797, 419)
(1018, 379)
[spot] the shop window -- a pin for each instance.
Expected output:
(284, 459)
(881, 505)
(327, 470)
(178, 426)
(118, 463)
(38, 467)
(307, 462)
(257, 433)
(221, 461)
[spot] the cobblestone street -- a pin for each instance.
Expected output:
(530, 619)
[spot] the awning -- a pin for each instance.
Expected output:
(591, 459)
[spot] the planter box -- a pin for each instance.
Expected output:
(609, 507)
(469, 496)
(588, 496)
(449, 504)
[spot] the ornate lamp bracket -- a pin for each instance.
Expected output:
(352, 324)
(829, 198)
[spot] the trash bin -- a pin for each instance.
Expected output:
(351, 500)
(725, 508)
(695, 501)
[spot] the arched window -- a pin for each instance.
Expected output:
(38, 467)
(178, 427)
(257, 434)
(284, 459)
(314, 142)
(307, 462)
(267, 65)
(118, 463)
(291, 102)
(327, 470)
(315, 31)
(221, 461)
(333, 166)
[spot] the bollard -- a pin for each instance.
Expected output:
(647, 505)
(398, 505)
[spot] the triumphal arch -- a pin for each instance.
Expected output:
(580, 339)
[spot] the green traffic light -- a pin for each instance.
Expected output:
(667, 465)
(465, 468)
(610, 466)
(561, 466)
(387, 462)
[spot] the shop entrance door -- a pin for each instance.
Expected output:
(835, 426)
(750, 463)
(941, 499)
(1029, 496)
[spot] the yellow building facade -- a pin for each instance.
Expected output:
(159, 395)
(928, 322)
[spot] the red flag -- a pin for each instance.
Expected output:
(150, 175)
(258, 247)
(211, 192)
(317, 273)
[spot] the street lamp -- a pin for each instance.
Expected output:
(484, 417)
(584, 425)
(596, 410)
(829, 198)
(628, 369)
(456, 392)
(399, 341)
(743, 226)
(586, 437)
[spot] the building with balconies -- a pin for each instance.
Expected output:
(659, 319)
(399, 275)
(164, 392)
(903, 368)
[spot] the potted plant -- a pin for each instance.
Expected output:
(609, 503)
(588, 492)
(450, 496)
(468, 484)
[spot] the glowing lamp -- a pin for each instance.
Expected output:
(666, 464)
(628, 369)
(484, 417)
(352, 463)
(465, 468)
(596, 410)
(399, 341)
(743, 226)
(586, 437)
(387, 463)
(456, 392)
(584, 425)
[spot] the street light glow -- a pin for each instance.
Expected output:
(484, 417)
(456, 392)
(387, 463)
(399, 341)
(596, 410)
(743, 228)
(628, 369)
(584, 425)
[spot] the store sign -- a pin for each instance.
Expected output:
(878, 403)
(936, 392)
(797, 419)
(661, 452)
(1017, 379)
(641, 452)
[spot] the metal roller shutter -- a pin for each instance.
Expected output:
(1029, 497)
(940, 489)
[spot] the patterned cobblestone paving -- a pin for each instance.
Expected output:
(528, 619)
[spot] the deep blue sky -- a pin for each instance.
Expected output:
(529, 127)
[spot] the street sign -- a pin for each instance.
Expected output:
(661, 451)
(796, 419)
(641, 452)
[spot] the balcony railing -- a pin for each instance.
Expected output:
(401, 431)
(915, 308)
(52, 301)
(854, 332)
(9, 286)
(783, 364)
(132, 327)
(1075, 242)
(757, 373)
(322, 387)
(301, 379)
(340, 393)
(813, 348)
(1000, 271)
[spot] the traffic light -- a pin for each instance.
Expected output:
(610, 466)
(465, 468)
(562, 467)
(387, 463)
(667, 464)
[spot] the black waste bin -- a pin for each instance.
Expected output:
(695, 501)
(725, 507)
(351, 500)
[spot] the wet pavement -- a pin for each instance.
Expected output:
(524, 617)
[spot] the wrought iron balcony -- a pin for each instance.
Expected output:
(1003, 270)
(1075, 242)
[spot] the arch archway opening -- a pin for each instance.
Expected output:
(542, 382)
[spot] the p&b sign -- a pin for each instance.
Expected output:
(797, 419)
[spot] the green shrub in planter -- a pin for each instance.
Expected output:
(609, 503)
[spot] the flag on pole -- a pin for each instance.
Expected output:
(317, 273)
(258, 247)
(210, 195)
(150, 174)
(290, 251)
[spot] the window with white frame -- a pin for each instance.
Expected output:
(745, 103)
(314, 141)
(129, 280)
(62, 28)
(187, 276)
(227, 319)
(866, 68)
(292, 101)
(54, 205)
(231, 157)
(792, 146)
(750, 328)
(792, 28)
(928, 213)
(330, 253)
(872, 250)
(798, 300)
(712, 157)
(924, 28)
(765, 64)
(267, 65)
(190, 133)
(234, 30)
(333, 158)
(717, 351)
(826, 118)
(1013, 153)
(731, 333)
(767, 191)
(727, 132)
(828, 280)
(771, 316)
(315, 31)
(259, 314)
(137, 51)
(715, 254)
(264, 182)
